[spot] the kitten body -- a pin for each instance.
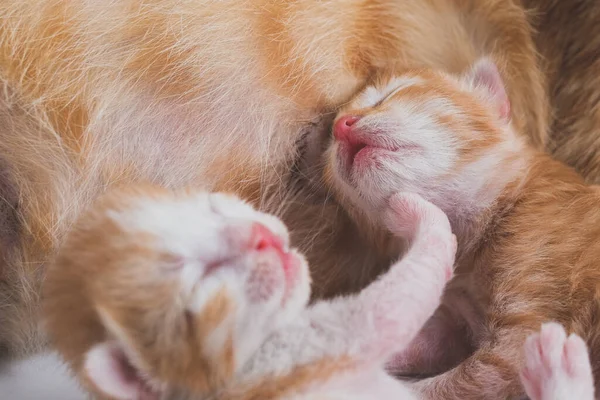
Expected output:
(215, 306)
(527, 226)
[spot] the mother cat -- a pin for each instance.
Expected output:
(212, 94)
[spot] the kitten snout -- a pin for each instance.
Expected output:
(348, 138)
(342, 129)
(248, 236)
(264, 241)
(361, 142)
(264, 252)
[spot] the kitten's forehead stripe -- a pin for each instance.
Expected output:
(374, 96)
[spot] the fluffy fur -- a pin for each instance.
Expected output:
(527, 226)
(568, 36)
(211, 94)
(196, 294)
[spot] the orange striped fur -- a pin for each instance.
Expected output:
(212, 95)
(527, 225)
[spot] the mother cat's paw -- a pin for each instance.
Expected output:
(154, 287)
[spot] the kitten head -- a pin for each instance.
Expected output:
(444, 137)
(155, 289)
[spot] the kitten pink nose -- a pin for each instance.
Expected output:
(263, 239)
(343, 126)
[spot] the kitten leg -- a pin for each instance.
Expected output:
(448, 338)
(386, 316)
(557, 367)
(366, 329)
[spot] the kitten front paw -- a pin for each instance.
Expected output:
(175, 288)
(557, 367)
(425, 225)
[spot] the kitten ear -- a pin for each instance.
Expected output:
(107, 367)
(114, 366)
(485, 75)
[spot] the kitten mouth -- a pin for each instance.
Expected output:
(354, 151)
(357, 154)
(350, 150)
(354, 148)
(286, 257)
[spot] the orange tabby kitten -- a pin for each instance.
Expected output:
(209, 94)
(528, 227)
(196, 295)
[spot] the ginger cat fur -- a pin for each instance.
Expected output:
(528, 227)
(568, 36)
(208, 94)
(190, 295)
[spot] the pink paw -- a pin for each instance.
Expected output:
(424, 225)
(557, 367)
(408, 212)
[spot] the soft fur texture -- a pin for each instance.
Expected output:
(567, 34)
(527, 226)
(197, 294)
(211, 94)
(217, 94)
(179, 295)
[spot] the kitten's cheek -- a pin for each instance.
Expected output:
(298, 282)
(267, 279)
(292, 268)
(275, 275)
(334, 164)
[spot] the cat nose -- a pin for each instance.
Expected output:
(343, 126)
(263, 239)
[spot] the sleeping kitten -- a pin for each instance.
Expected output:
(528, 227)
(196, 295)
(205, 94)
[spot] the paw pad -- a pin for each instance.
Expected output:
(557, 366)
